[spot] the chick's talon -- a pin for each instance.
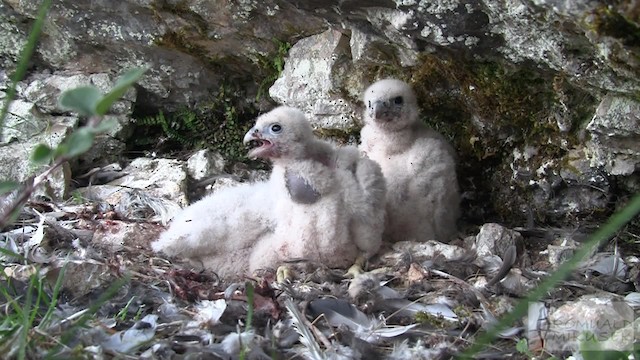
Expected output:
(357, 268)
(284, 274)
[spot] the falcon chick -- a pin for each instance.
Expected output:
(321, 203)
(423, 198)
(324, 213)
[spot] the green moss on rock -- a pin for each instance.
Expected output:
(609, 22)
(487, 109)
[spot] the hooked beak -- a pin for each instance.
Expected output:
(252, 135)
(380, 109)
(259, 147)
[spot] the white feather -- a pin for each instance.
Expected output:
(313, 350)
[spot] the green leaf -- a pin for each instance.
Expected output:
(41, 154)
(79, 142)
(61, 150)
(8, 186)
(104, 126)
(522, 346)
(120, 88)
(83, 99)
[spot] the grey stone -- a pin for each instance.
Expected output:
(615, 135)
(194, 47)
(46, 90)
(23, 121)
(601, 315)
(205, 163)
(495, 239)
(15, 158)
(309, 80)
(428, 250)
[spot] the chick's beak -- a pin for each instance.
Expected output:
(251, 135)
(379, 108)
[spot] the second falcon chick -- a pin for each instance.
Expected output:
(423, 198)
(323, 215)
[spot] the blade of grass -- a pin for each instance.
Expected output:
(615, 223)
(54, 297)
(12, 318)
(11, 301)
(250, 297)
(12, 254)
(41, 295)
(25, 56)
(95, 306)
(23, 339)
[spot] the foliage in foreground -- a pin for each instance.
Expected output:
(30, 306)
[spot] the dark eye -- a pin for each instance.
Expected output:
(369, 103)
(398, 100)
(276, 128)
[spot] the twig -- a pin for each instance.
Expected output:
(30, 186)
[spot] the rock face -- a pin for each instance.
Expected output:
(35, 117)
(313, 75)
(538, 96)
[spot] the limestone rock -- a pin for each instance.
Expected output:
(23, 121)
(45, 90)
(615, 135)
(311, 82)
(495, 239)
(34, 117)
(601, 315)
(205, 163)
(580, 53)
(162, 182)
(15, 163)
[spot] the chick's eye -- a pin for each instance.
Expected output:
(276, 128)
(398, 100)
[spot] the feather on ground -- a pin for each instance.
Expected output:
(418, 164)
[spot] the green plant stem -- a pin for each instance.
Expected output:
(249, 291)
(250, 299)
(615, 223)
(54, 297)
(26, 319)
(25, 56)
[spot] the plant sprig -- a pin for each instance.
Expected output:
(86, 101)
